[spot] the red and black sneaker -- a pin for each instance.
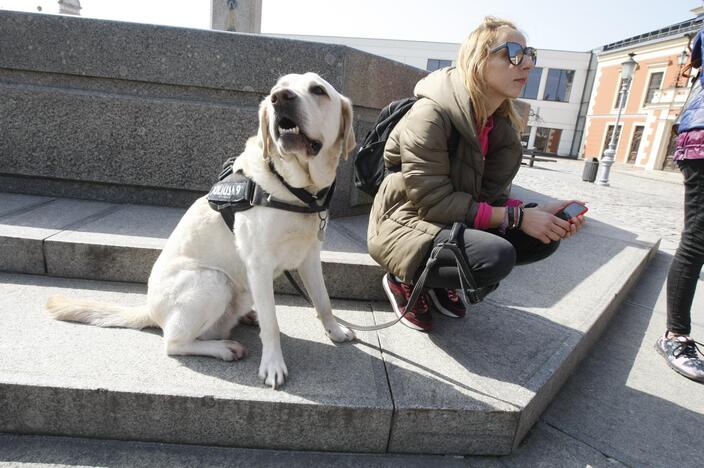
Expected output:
(448, 302)
(419, 317)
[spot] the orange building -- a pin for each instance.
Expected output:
(654, 97)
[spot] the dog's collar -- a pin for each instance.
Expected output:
(313, 201)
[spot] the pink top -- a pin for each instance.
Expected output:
(483, 217)
(484, 135)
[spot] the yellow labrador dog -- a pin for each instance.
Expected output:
(206, 279)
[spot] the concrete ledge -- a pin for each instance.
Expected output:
(156, 110)
(63, 451)
(110, 242)
(93, 382)
(477, 385)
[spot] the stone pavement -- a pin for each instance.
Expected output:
(622, 405)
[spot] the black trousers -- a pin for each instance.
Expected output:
(490, 256)
(687, 264)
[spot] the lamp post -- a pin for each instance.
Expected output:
(681, 60)
(627, 69)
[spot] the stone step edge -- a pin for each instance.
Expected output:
(564, 369)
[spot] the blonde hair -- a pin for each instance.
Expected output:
(471, 63)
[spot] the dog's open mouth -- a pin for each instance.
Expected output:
(292, 138)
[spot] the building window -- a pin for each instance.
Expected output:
(558, 85)
(437, 64)
(525, 136)
(653, 85)
(530, 90)
(609, 132)
(547, 139)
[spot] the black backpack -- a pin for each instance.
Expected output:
(369, 167)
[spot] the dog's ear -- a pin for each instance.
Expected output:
(264, 137)
(346, 130)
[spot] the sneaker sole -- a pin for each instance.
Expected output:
(392, 300)
(439, 308)
(674, 368)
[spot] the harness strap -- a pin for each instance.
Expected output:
(262, 198)
(237, 192)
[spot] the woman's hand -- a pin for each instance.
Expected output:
(545, 226)
(556, 206)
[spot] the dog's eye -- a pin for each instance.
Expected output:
(319, 90)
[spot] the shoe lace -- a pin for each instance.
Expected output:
(687, 349)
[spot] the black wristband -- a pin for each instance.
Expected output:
(511, 217)
(520, 217)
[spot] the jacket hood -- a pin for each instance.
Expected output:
(446, 88)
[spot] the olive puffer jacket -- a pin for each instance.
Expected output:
(433, 190)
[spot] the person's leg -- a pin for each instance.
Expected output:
(675, 345)
(490, 257)
(529, 249)
(687, 264)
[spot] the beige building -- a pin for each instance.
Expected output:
(654, 97)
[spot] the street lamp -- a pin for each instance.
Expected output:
(681, 60)
(627, 69)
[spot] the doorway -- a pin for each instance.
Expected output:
(635, 144)
(668, 164)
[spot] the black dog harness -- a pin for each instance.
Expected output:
(236, 192)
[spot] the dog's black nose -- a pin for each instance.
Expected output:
(282, 96)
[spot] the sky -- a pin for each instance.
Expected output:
(548, 24)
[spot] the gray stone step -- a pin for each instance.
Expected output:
(62, 451)
(472, 386)
(73, 238)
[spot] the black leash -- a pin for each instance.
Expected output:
(473, 294)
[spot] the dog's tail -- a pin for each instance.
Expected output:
(99, 313)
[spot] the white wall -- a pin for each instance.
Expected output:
(562, 115)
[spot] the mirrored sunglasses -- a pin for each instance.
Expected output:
(516, 52)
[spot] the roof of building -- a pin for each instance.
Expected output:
(678, 29)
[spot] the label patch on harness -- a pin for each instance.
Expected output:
(234, 193)
(226, 191)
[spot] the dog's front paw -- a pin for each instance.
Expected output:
(272, 369)
(232, 350)
(338, 333)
